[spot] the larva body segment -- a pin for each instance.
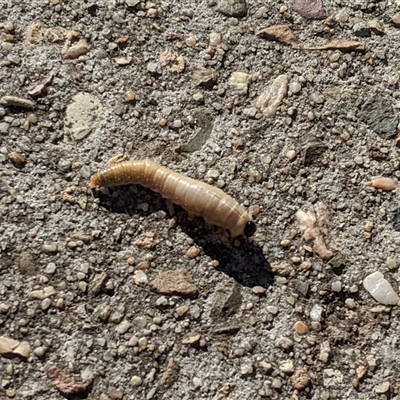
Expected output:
(196, 197)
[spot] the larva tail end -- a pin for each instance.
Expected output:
(95, 181)
(250, 228)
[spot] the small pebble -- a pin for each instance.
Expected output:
(391, 262)
(193, 252)
(116, 394)
(123, 327)
(197, 382)
(191, 41)
(136, 381)
(301, 328)
(9, 26)
(259, 290)
(380, 289)
(291, 155)
(246, 367)
(276, 383)
(316, 313)
(284, 343)
(300, 379)
(39, 351)
(177, 124)
(350, 303)
(383, 387)
(139, 277)
(294, 87)
(143, 343)
(287, 366)
(336, 286)
(182, 310)
(215, 39)
(50, 268)
(130, 95)
(369, 225)
(396, 20)
(162, 122)
(198, 97)
(272, 310)
(17, 159)
(4, 308)
(162, 301)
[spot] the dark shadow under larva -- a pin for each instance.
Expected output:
(196, 197)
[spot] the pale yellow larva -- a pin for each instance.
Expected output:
(196, 197)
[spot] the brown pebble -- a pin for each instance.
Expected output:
(9, 26)
(8, 37)
(191, 339)
(182, 310)
(130, 95)
(144, 265)
(131, 261)
(116, 394)
(383, 183)
(301, 328)
(162, 122)
(122, 40)
(238, 143)
(193, 252)
(17, 159)
(174, 282)
(361, 371)
(300, 379)
(254, 210)
(258, 290)
(291, 300)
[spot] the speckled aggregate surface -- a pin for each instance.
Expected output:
(78, 266)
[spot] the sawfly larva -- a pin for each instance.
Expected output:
(196, 197)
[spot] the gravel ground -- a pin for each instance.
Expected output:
(115, 293)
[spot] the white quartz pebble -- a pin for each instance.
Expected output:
(380, 289)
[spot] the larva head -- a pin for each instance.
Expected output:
(244, 226)
(250, 228)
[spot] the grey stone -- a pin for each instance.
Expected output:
(233, 8)
(132, 3)
(396, 219)
(361, 29)
(4, 127)
(97, 283)
(205, 123)
(100, 54)
(313, 149)
(226, 300)
(396, 20)
(302, 287)
(206, 77)
(378, 114)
